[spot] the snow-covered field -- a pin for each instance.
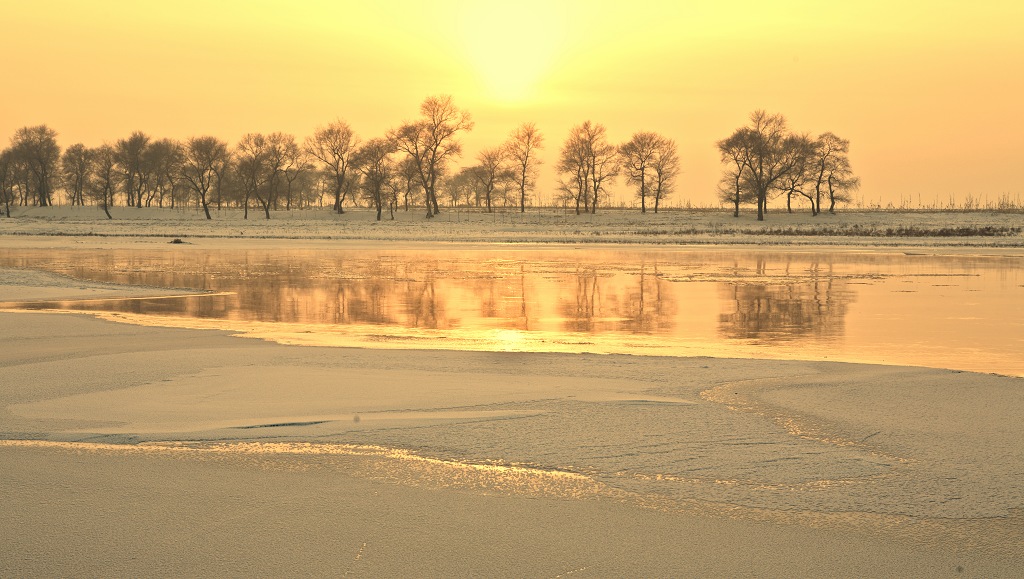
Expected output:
(861, 228)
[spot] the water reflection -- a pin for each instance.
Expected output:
(946, 311)
(813, 303)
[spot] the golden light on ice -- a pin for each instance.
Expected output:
(511, 340)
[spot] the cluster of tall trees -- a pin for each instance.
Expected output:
(406, 166)
(505, 174)
(29, 167)
(589, 163)
(765, 160)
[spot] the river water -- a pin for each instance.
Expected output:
(963, 312)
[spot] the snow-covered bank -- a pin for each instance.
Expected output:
(853, 228)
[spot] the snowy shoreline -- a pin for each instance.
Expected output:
(617, 226)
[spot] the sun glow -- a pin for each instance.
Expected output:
(511, 47)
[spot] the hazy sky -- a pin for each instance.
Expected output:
(931, 94)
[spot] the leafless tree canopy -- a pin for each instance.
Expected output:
(588, 164)
(492, 173)
(333, 146)
(374, 163)
(165, 158)
(665, 165)
(832, 166)
(105, 177)
(130, 161)
(202, 156)
(76, 164)
(432, 142)
(649, 163)
(764, 159)
(522, 149)
(7, 180)
(35, 158)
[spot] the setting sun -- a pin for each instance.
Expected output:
(511, 47)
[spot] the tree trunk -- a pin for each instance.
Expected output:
(206, 208)
(643, 192)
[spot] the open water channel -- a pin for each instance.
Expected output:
(960, 311)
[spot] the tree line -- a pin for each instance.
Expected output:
(409, 166)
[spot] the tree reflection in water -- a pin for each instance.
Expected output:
(632, 301)
(914, 309)
(786, 305)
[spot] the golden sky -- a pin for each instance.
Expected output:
(931, 94)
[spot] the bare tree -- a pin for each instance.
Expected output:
(373, 161)
(832, 168)
(588, 163)
(253, 166)
(522, 148)
(223, 171)
(333, 146)
(394, 188)
(735, 152)
(165, 159)
(637, 156)
(278, 157)
(666, 168)
(432, 142)
(841, 182)
(491, 172)
(75, 166)
(202, 156)
(604, 163)
(769, 159)
(105, 177)
(796, 181)
(408, 175)
(764, 149)
(130, 160)
(36, 150)
(296, 167)
(7, 179)
(573, 165)
(460, 187)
